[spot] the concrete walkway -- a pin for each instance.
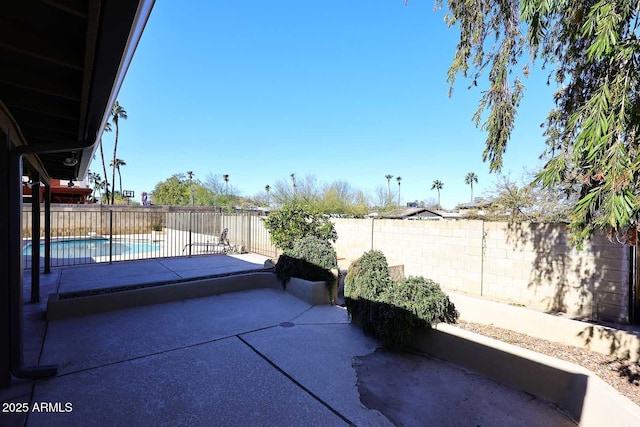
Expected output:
(129, 273)
(259, 357)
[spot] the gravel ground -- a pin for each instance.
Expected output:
(622, 375)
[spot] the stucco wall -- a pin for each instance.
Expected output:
(524, 263)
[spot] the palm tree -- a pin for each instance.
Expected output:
(99, 185)
(94, 179)
(293, 180)
(267, 188)
(107, 128)
(437, 184)
(399, 179)
(389, 187)
(190, 176)
(226, 180)
(470, 179)
(117, 164)
(117, 113)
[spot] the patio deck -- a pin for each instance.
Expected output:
(258, 357)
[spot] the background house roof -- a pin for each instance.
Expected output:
(405, 213)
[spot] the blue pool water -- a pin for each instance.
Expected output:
(82, 248)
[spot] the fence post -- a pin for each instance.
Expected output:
(47, 228)
(248, 227)
(35, 240)
(482, 254)
(110, 236)
(190, 216)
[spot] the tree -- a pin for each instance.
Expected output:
(469, 180)
(305, 189)
(340, 198)
(438, 185)
(117, 164)
(380, 199)
(107, 128)
(225, 177)
(594, 129)
(221, 193)
(388, 187)
(178, 190)
(293, 182)
(399, 179)
(117, 113)
(297, 219)
(98, 186)
(526, 201)
(96, 181)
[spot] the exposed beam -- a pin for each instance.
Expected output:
(68, 6)
(46, 123)
(16, 38)
(51, 135)
(46, 147)
(93, 23)
(59, 131)
(27, 79)
(19, 100)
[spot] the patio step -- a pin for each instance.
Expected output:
(81, 303)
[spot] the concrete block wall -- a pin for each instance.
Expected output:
(524, 264)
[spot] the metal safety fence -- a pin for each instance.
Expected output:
(92, 234)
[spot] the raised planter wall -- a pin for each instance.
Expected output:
(313, 293)
(585, 397)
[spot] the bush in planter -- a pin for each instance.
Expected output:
(390, 310)
(367, 278)
(424, 298)
(310, 258)
(295, 220)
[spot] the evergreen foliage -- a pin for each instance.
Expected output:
(310, 258)
(389, 310)
(592, 50)
(295, 220)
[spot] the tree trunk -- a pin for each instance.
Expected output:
(113, 168)
(104, 170)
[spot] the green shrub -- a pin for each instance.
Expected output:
(390, 310)
(310, 258)
(366, 280)
(368, 277)
(316, 251)
(295, 220)
(424, 299)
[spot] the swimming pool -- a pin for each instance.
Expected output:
(94, 247)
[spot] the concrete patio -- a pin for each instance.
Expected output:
(256, 357)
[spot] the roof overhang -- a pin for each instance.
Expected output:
(62, 63)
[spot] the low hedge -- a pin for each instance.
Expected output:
(311, 259)
(389, 310)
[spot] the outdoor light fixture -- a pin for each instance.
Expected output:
(71, 161)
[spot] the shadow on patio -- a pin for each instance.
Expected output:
(256, 357)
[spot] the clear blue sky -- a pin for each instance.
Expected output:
(342, 90)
